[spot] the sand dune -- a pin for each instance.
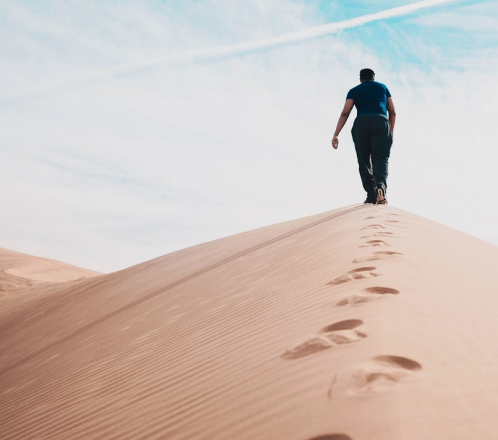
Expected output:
(364, 323)
(20, 271)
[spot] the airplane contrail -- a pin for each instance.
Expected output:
(219, 52)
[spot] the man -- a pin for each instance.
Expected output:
(372, 133)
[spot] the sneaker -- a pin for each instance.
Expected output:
(381, 196)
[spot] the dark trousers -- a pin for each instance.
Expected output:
(372, 139)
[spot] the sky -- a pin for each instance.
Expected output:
(132, 129)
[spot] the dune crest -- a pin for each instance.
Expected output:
(363, 323)
(20, 271)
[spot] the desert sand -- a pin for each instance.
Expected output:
(363, 323)
(19, 271)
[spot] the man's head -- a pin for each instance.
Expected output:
(367, 75)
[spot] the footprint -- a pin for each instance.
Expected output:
(332, 437)
(388, 253)
(379, 234)
(381, 290)
(339, 333)
(396, 223)
(383, 234)
(373, 243)
(312, 345)
(369, 218)
(355, 274)
(382, 373)
(369, 294)
(379, 255)
(398, 361)
(348, 324)
(375, 226)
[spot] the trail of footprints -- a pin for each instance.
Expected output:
(381, 372)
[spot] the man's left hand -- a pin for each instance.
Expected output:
(335, 142)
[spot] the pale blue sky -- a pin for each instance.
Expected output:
(104, 166)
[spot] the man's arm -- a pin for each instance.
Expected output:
(348, 106)
(392, 112)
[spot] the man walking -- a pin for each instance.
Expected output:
(372, 133)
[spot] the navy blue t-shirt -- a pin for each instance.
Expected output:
(370, 97)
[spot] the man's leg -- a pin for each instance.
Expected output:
(361, 139)
(382, 140)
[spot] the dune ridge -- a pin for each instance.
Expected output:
(20, 271)
(363, 323)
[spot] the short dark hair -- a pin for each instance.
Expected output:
(367, 75)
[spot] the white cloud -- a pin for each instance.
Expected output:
(229, 50)
(480, 17)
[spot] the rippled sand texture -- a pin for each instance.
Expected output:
(364, 323)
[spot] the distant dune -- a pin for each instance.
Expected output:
(19, 271)
(364, 323)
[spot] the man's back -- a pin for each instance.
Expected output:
(370, 97)
(372, 133)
